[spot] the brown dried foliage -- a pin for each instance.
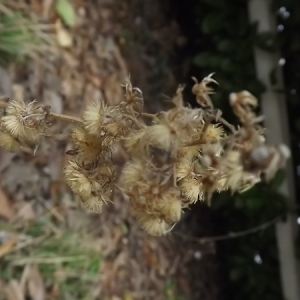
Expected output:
(185, 154)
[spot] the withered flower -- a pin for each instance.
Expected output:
(108, 121)
(9, 143)
(175, 128)
(78, 180)
(89, 148)
(94, 186)
(202, 91)
(136, 143)
(101, 120)
(184, 155)
(25, 121)
(266, 159)
(133, 98)
(152, 191)
(152, 225)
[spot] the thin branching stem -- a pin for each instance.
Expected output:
(233, 235)
(65, 118)
(57, 116)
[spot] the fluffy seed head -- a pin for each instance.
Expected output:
(132, 172)
(136, 143)
(161, 136)
(213, 133)
(92, 117)
(94, 203)
(101, 120)
(9, 143)
(188, 152)
(152, 225)
(184, 168)
(170, 205)
(89, 148)
(191, 189)
(77, 180)
(25, 121)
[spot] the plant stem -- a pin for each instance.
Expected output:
(62, 117)
(135, 121)
(27, 150)
(233, 235)
(152, 116)
(65, 118)
(3, 104)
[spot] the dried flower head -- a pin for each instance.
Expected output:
(266, 160)
(25, 121)
(77, 180)
(94, 186)
(184, 155)
(152, 225)
(9, 143)
(114, 122)
(152, 191)
(136, 143)
(175, 128)
(202, 91)
(101, 120)
(133, 98)
(89, 148)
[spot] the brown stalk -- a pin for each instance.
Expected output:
(61, 117)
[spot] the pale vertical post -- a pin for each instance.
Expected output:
(275, 112)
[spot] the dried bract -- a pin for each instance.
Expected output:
(202, 91)
(133, 98)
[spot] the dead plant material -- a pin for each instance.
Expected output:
(183, 156)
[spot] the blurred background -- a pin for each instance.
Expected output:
(68, 53)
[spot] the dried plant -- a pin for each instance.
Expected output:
(184, 155)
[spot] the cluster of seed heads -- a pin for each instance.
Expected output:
(175, 157)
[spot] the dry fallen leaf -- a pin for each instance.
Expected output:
(25, 211)
(6, 209)
(7, 246)
(13, 291)
(35, 283)
(64, 38)
(47, 5)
